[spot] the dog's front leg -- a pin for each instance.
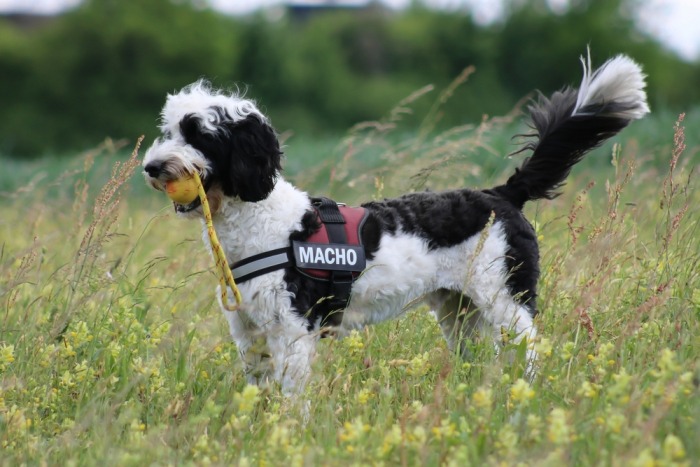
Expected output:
(292, 355)
(252, 348)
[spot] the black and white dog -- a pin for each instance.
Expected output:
(461, 250)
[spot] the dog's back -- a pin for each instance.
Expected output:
(566, 127)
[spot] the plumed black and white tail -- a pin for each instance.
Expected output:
(572, 122)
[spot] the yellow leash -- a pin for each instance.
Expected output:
(224, 272)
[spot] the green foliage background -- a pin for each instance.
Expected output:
(104, 68)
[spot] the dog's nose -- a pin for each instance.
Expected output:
(153, 169)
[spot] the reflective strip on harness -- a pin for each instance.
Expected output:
(263, 263)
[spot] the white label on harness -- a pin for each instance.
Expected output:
(333, 256)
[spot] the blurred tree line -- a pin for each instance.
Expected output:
(104, 68)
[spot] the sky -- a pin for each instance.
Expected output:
(674, 22)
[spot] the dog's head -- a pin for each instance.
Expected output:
(224, 137)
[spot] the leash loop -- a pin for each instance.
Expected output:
(223, 270)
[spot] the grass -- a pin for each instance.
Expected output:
(112, 348)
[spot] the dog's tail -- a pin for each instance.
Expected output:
(572, 122)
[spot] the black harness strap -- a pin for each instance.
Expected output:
(341, 281)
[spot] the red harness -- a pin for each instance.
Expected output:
(354, 220)
(333, 255)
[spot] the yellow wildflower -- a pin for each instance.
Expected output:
(147, 369)
(282, 439)
(364, 396)
(204, 450)
(46, 355)
(392, 439)
(156, 335)
(83, 371)
(673, 448)
(7, 356)
(544, 347)
(521, 392)
(114, 348)
(567, 350)
(66, 350)
(602, 359)
(419, 366)
(80, 335)
(416, 408)
(507, 440)
(619, 390)
(66, 381)
(417, 437)
(353, 343)
(137, 425)
(686, 382)
(137, 431)
(615, 422)
(16, 421)
(558, 431)
(353, 432)
(538, 230)
(482, 398)
(458, 456)
(644, 459)
(589, 390)
(534, 427)
(247, 398)
(446, 430)
(668, 366)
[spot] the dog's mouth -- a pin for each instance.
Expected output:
(160, 185)
(197, 202)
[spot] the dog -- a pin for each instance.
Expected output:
(471, 254)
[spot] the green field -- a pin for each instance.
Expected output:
(113, 350)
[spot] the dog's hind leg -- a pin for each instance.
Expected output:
(458, 319)
(505, 314)
(484, 279)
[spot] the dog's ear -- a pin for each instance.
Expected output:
(245, 154)
(255, 159)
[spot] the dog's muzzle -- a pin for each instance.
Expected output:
(157, 175)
